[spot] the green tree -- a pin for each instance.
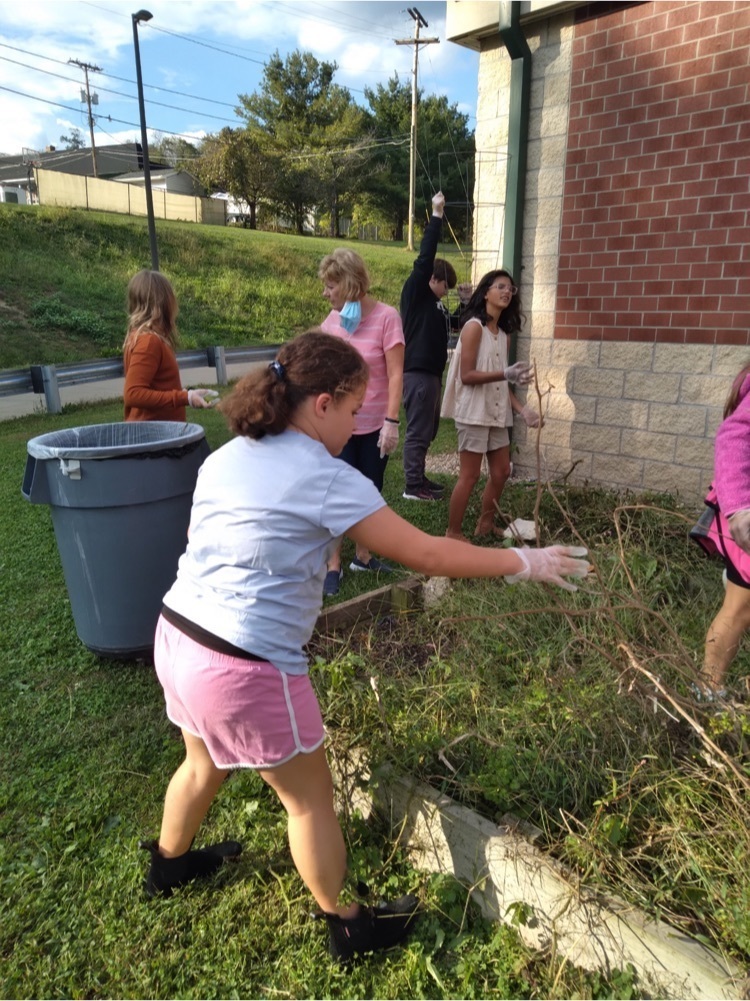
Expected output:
(74, 141)
(315, 131)
(445, 153)
(238, 161)
(177, 152)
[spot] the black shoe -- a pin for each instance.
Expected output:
(372, 930)
(433, 487)
(165, 874)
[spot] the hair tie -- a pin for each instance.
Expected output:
(278, 370)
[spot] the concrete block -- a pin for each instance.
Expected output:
(562, 407)
(599, 382)
(597, 439)
(617, 471)
(678, 418)
(504, 868)
(648, 445)
(706, 389)
(622, 413)
(698, 452)
(576, 352)
(632, 356)
(693, 358)
(728, 360)
(686, 481)
(646, 386)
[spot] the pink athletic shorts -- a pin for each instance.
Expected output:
(248, 713)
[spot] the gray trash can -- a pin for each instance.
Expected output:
(120, 498)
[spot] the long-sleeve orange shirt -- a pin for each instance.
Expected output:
(153, 390)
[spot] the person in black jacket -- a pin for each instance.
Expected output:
(427, 325)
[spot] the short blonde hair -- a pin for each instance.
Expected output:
(347, 269)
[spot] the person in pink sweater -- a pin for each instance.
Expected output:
(729, 536)
(153, 389)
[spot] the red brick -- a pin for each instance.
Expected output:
(671, 41)
(707, 303)
(739, 76)
(701, 27)
(703, 335)
(734, 269)
(647, 210)
(721, 99)
(704, 188)
(739, 113)
(690, 172)
(670, 335)
(681, 14)
(642, 334)
(731, 58)
(565, 333)
(733, 19)
(697, 255)
(715, 203)
(688, 140)
(738, 235)
(684, 91)
(610, 199)
(710, 45)
(738, 337)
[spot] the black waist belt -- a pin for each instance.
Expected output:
(205, 638)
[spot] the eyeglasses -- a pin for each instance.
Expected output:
(506, 288)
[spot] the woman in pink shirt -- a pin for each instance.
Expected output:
(374, 329)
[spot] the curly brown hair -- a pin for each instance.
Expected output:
(263, 402)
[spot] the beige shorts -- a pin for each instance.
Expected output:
(478, 438)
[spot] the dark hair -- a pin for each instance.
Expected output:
(444, 272)
(510, 318)
(152, 307)
(734, 394)
(264, 401)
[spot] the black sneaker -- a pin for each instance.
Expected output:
(420, 493)
(433, 487)
(372, 930)
(165, 874)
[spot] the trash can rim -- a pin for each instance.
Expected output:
(148, 436)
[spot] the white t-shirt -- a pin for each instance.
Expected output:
(266, 515)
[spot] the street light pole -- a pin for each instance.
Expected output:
(145, 15)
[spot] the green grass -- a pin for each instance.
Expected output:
(65, 272)
(85, 754)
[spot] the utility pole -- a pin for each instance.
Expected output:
(419, 21)
(89, 101)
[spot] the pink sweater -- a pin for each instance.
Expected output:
(732, 457)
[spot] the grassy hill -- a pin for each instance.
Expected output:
(63, 275)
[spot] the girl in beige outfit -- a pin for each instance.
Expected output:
(479, 398)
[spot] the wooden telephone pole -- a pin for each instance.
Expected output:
(95, 69)
(419, 21)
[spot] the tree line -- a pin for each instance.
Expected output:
(307, 150)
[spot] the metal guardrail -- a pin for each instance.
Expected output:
(48, 379)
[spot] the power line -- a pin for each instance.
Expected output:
(111, 76)
(118, 93)
(107, 118)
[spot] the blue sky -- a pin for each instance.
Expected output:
(197, 56)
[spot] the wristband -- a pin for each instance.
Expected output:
(391, 420)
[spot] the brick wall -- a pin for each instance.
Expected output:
(655, 236)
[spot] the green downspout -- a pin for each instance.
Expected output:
(518, 49)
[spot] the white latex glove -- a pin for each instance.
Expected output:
(739, 526)
(531, 417)
(202, 398)
(438, 204)
(551, 565)
(521, 373)
(388, 439)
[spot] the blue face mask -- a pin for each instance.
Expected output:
(351, 316)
